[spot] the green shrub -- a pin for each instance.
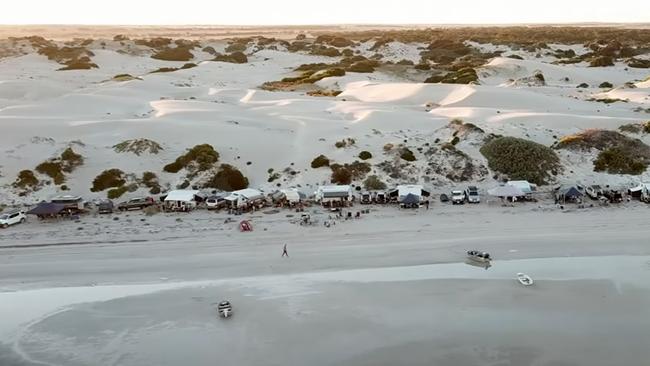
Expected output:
(189, 65)
(237, 47)
(373, 183)
(203, 155)
(455, 140)
(365, 155)
(228, 178)
(606, 85)
(110, 178)
(320, 161)
(583, 85)
(164, 69)
(115, 193)
(521, 159)
(407, 154)
(71, 160)
(150, 180)
(26, 178)
(174, 54)
(52, 169)
(617, 160)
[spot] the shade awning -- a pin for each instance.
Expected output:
(47, 208)
(410, 199)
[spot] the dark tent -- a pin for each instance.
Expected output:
(568, 194)
(46, 209)
(411, 199)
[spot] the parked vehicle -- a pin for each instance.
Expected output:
(613, 195)
(524, 279)
(105, 207)
(594, 191)
(136, 204)
(12, 218)
(215, 203)
(457, 197)
(381, 198)
(471, 194)
(225, 309)
(478, 256)
(366, 198)
(444, 198)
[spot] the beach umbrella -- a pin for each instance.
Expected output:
(506, 191)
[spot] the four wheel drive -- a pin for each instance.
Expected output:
(215, 203)
(471, 195)
(594, 191)
(12, 218)
(457, 197)
(136, 204)
(105, 207)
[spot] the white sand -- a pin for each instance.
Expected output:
(391, 286)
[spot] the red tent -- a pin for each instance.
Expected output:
(245, 226)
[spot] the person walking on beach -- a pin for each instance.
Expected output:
(284, 252)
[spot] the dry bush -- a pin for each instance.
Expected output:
(234, 58)
(173, 54)
(203, 156)
(138, 146)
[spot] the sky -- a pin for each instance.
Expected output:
(304, 12)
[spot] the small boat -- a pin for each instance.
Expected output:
(478, 256)
(524, 279)
(224, 309)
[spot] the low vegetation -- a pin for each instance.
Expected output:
(320, 161)
(116, 193)
(138, 147)
(618, 160)
(56, 168)
(462, 76)
(346, 173)
(365, 155)
(228, 178)
(406, 154)
(373, 183)
(347, 142)
(26, 179)
(522, 159)
(233, 58)
(197, 159)
(173, 54)
(150, 180)
(618, 154)
(111, 178)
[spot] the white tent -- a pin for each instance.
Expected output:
(181, 200)
(342, 192)
(524, 186)
(182, 196)
(506, 191)
(292, 195)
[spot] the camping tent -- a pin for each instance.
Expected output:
(181, 200)
(568, 193)
(506, 191)
(523, 185)
(47, 209)
(410, 200)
